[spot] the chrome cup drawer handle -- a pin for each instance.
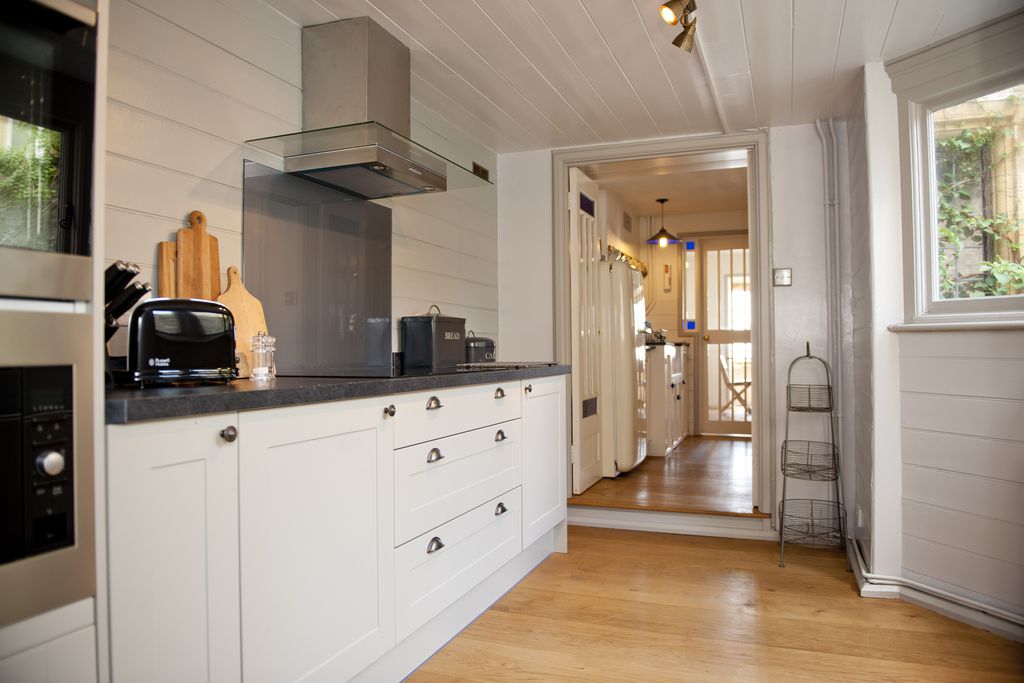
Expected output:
(434, 403)
(528, 388)
(434, 455)
(500, 436)
(434, 545)
(500, 510)
(499, 393)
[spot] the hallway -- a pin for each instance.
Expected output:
(709, 475)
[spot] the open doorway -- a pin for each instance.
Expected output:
(701, 300)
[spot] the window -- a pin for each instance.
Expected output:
(978, 146)
(961, 109)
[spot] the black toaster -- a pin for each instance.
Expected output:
(181, 340)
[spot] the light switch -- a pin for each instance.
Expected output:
(783, 277)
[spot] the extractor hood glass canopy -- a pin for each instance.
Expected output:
(368, 160)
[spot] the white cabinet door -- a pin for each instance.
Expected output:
(317, 530)
(544, 456)
(173, 551)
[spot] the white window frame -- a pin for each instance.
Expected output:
(985, 59)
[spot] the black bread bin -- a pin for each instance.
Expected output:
(432, 343)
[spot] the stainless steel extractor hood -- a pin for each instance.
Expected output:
(355, 118)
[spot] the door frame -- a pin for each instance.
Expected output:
(760, 239)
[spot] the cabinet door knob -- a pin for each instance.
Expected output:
(529, 388)
(499, 393)
(434, 403)
(500, 510)
(434, 545)
(677, 397)
(229, 433)
(390, 410)
(434, 455)
(673, 385)
(500, 436)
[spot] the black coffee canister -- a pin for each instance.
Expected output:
(479, 349)
(432, 342)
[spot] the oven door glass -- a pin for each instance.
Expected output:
(47, 74)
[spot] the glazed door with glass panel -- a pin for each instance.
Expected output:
(584, 258)
(726, 366)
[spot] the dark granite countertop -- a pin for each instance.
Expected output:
(137, 405)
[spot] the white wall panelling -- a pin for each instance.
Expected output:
(963, 462)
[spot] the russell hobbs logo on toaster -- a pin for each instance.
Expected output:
(452, 335)
(159, 362)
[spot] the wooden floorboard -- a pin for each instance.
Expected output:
(637, 606)
(704, 475)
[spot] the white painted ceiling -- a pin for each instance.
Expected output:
(530, 74)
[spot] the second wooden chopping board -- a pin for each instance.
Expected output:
(190, 269)
(248, 314)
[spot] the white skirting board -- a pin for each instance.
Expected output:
(967, 615)
(409, 654)
(757, 529)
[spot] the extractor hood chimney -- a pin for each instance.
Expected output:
(356, 118)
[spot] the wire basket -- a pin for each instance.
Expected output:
(811, 460)
(815, 523)
(809, 398)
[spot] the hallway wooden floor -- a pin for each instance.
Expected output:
(636, 606)
(705, 474)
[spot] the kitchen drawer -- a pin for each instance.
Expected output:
(429, 415)
(441, 479)
(436, 569)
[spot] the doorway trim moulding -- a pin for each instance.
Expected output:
(762, 334)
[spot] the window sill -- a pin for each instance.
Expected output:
(978, 326)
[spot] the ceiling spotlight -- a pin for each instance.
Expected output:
(672, 10)
(685, 39)
(663, 237)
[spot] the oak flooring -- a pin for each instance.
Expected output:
(637, 606)
(705, 474)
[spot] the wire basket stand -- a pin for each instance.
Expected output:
(809, 521)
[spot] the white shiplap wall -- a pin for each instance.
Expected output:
(191, 80)
(962, 408)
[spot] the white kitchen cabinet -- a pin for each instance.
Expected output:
(666, 399)
(68, 659)
(436, 414)
(173, 550)
(544, 456)
(317, 530)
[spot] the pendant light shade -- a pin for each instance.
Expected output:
(663, 237)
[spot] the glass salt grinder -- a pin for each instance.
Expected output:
(262, 346)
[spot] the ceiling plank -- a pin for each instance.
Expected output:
(719, 26)
(865, 26)
(624, 34)
(527, 30)
(303, 12)
(768, 29)
(491, 44)
(581, 40)
(817, 26)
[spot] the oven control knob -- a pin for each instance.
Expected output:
(50, 463)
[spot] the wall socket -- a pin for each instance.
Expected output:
(782, 277)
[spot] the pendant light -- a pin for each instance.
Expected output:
(663, 237)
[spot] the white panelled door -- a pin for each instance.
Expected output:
(584, 258)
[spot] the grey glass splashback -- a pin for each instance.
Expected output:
(320, 261)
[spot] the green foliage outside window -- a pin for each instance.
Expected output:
(963, 162)
(29, 184)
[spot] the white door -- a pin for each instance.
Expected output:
(726, 364)
(173, 550)
(316, 519)
(584, 258)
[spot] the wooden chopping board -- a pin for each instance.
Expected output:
(249, 318)
(190, 269)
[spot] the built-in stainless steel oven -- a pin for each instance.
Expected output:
(47, 548)
(48, 329)
(47, 93)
